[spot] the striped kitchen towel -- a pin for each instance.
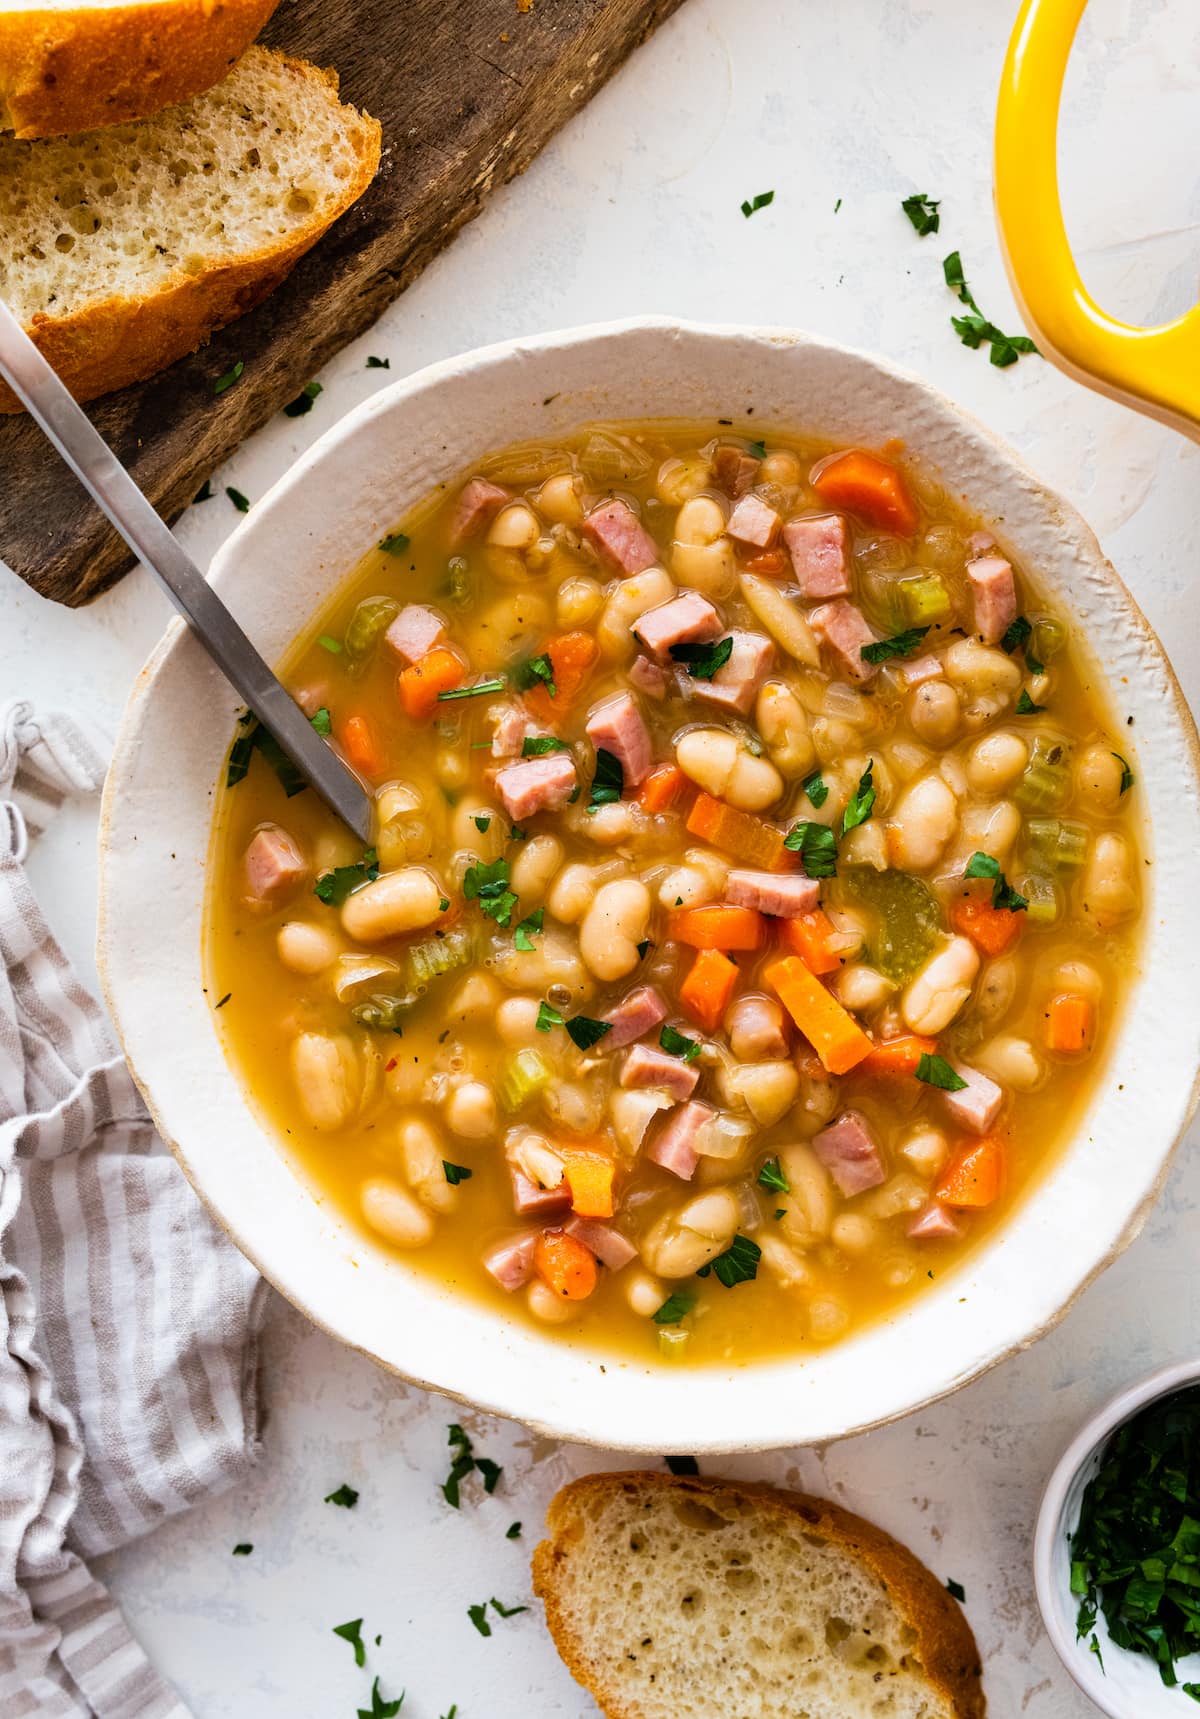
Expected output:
(128, 1323)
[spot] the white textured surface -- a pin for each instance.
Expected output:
(635, 208)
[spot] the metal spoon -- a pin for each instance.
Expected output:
(113, 490)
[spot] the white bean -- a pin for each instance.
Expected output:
(933, 712)
(612, 928)
(551, 1309)
(476, 999)
(644, 1294)
(392, 1212)
(995, 762)
(607, 826)
(328, 1079)
(631, 599)
(487, 843)
(514, 527)
(516, 1021)
(901, 1193)
(687, 886)
(306, 948)
(578, 600)
(781, 468)
(535, 867)
(471, 1111)
(724, 767)
(707, 567)
(922, 823)
(785, 1264)
(991, 830)
(398, 901)
(1108, 891)
(925, 1148)
(700, 521)
(782, 619)
(783, 724)
(1011, 1061)
(1079, 977)
(677, 480)
(980, 670)
(1098, 775)
(810, 1204)
(572, 893)
(828, 1318)
(861, 988)
(766, 1089)
(421, 1155)
(854, 1234)
(996, 989)
(756, 1029)
(683, 1241)
(940, 989)
(559, 499)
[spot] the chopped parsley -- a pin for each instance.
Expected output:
(1016, 636)
(772, 1176)
(704, 661)
(479, 688)
(304, 400)
(482, 824)
(204, 493)
(642, 948)
(537, 745)
(444, 904)
(861, 803)
(752, 205)
(1003, 894)
(240, 501)
(507, 1611)
(395, 543)
(465, 1462)
(455, 1173)
(352, 1632)
(608, 784)
(584, 1032)
(478, 1616)
(513, 1531)
(548, 1017)
(488, 884)
(322, 721)
(922, 211)
(332, 887)
(678, 1044)
(738, 1264)
(229, 378)
(817, 847)
(379, 1708)
(255, 738)
(676, 1307)
(345, 1497)
(328, 643)
(536, 669)
(1026, 706)
(243, 1549)
(527, 930)
(682, 1464)
(1127, 776)
(221, 1004)
(974, 330)
(899, 645)
(374, 363)
(758, 449)
(956, 1590)
(936, 1071)
(816, 788)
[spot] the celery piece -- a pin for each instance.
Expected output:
(910, 920)
(1048, 638)
(458, 582)
(1041, 896)
(383, 1013)
(924, 600)
(372, 618)
(1058, 843)
(1047, 777)
(428, 961)
(525, 1074)
(673, 1343)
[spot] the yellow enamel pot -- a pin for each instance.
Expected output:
(1154, 370)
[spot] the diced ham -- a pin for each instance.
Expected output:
(995, 596)
(311, 698)
(617, 726)
(786, 895)
(977, 1105)
(674, 1146)
(935, 1222)
(536, 784)
(735, 684)
(510, 1260)
(687, 619)
(510, 726)
(610, 1247)
(414, 632)
(648, 677)
(917, 670)
(820, 553)
(753, 522)
(275, 865)
(531, 1201)
(645, 1066)
(848, 1151)
(476, 505)
(980, 542)
(734, 469)
(845, 631)
(616, 530)
(634, 1016)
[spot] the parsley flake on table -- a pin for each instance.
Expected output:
(584, 1032)
(240, 501)
(974, 330)
(772, 1176)
(682, 1464)
(332, 887)
(752, 205)
(374, 363)
(513, 1531)
(956, 1590)
(922, 211)
(204, 493)
(936, 1071)
(243, 1549)
(395, 543)
(507, 1611)
(229, 378)
(304, 400)
(899, 645)
(817, 847)
(466, 1462)
(676, 1307)
(352, 1632)
(527, 930)
(738, 1264)
(678, 1044)
(344, 1497)
(704, 661)
(488, 884)
(1003, 893)
(478, 1616)
(455, 1173)
(379, 1708)
(861, 803)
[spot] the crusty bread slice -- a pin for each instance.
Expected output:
(123, 249)
(674, 1598)
(75, 64)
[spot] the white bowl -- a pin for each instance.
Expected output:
(1128, 1686)
(292, 550)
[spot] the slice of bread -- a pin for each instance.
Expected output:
(123, 249)
(81, 63)
(674, 1598)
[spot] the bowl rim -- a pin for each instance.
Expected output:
(567, 1426)
(1049, 1527)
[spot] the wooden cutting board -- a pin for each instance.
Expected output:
(467, 92)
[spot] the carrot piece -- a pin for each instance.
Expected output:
(813, 936)
(869, 487)
(706, 991)
(992, 929)
(975, 1174)
(590, 1176)
(836, 1036)
(356, 738)
(564, 1265)
(744, 837)
(718, 927)
(1070, 1024)
(898, 1056)
(771, 562)
(661, 788)
(439, 670)
(572, 656)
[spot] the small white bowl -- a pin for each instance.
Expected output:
(1128, 1686)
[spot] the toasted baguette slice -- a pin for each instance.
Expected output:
(82, 63)
(123, 249)
(673, 1598)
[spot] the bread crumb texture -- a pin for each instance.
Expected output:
(125, 212)
(684, 1602)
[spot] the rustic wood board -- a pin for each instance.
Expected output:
(467, 94)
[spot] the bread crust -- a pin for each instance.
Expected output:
(112, 342)
(75, 69)
(945, 1644)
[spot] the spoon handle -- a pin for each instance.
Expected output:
(113, 490)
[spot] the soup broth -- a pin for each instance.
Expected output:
(754, 889)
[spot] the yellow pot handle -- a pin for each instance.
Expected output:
(1155, 370)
